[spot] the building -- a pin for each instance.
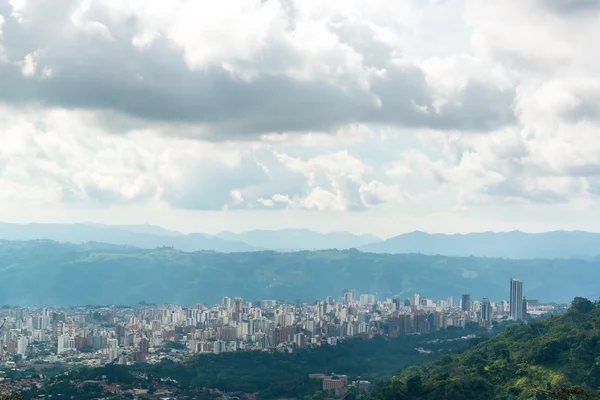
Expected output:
(22, 343)
(364, 387)
(238, 309)
(219, 347)
(525, 307)
(415, 300)
(466, 302)
(138, 356)
(439, 320)
(300, 339)
(121, 334)
(348, 297)
(336, 383)
(226, 302)
(369, 299)
(144, 346)
(486, 312)
(516, 299)
(420, 323)
(65, 343)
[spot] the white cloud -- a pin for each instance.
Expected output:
(2, 50)
(288, 66)
(431, 111)
(29, 64)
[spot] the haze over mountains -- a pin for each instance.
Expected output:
(516, 245)
(557, 244)
(147, 237)
(300, 239)
(51, 273)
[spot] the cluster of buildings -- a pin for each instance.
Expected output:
(338, 384)
(148, 333)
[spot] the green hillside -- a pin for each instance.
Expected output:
(526, 361)
(51, 273)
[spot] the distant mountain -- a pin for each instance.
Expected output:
(46, 272)
(149, 236)
(140, 236)
(518, 245)
(150, 229)
(300, 239)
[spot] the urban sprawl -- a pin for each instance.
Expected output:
(95, 336)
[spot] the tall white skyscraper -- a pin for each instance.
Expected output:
(22, 343)
(416, 300)
(516, 299)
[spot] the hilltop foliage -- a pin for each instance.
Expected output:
(558, 358)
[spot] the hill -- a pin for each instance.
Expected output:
(517, 245)
(523, 362)
(46, 272)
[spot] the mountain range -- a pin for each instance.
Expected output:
(515, 244)
(52, 273)
(149, 237)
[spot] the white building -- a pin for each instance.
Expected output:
(65, 343)
(516, 299)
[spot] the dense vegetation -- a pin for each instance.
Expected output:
(273, 374)
(67, 274)
(527, 361)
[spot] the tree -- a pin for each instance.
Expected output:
(582, 305)
(414, 385)
(18, 396)
(570, 393)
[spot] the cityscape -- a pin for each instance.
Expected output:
(94, 336)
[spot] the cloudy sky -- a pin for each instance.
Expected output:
(380, 116)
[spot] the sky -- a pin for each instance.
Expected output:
(374, 116)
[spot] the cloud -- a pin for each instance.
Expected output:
(53, 155)
(287, 66)
(571, 6)
(404, 108)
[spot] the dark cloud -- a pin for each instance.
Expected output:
(102, 70)
(571, 6)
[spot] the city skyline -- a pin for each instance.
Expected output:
(234, 319)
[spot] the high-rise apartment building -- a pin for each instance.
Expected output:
(466, 302)
(226, 302)
(516, 299)
(348, 297)
(415, 300)
(486, 311)
(238, 309)
(65, 343)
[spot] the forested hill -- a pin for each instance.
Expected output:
(45, 272)
(524, 362)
